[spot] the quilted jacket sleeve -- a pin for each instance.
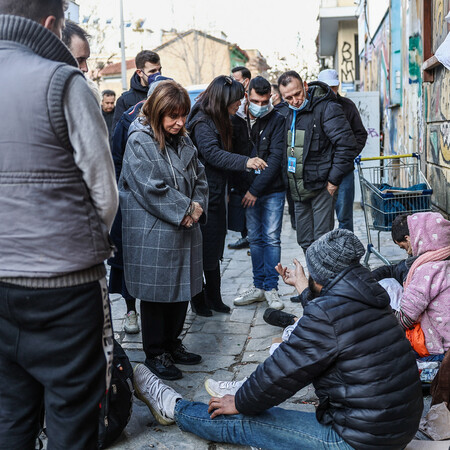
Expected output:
(309, 352)
(338, 131)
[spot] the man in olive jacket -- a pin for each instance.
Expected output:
(320, 152)
(347, 343)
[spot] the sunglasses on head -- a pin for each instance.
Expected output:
(228, 81)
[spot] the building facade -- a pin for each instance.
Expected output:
(396, 41)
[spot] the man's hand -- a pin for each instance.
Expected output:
(331, 188)
(198, 211)
(256, 163)
(249, 200)
(293, 277)
(224, 405)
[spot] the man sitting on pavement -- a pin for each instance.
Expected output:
(346, 192)
(265, 192)
(347, 343)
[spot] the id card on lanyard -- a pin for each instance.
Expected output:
(292, 160)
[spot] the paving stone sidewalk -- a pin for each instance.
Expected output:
(232, 345)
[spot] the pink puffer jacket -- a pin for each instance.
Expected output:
(426, 298)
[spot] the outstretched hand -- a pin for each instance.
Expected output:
(224, 405)
(293, 277)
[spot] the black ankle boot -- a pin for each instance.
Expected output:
(212, 291)
(198, 305)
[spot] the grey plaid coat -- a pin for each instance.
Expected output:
(162, 260)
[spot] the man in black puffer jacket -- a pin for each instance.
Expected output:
(319, 153)
(348, 344)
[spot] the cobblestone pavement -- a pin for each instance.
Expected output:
(232, 345)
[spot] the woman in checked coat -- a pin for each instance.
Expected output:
(163, 196)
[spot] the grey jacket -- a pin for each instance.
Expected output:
(49, 224)
(162, 260)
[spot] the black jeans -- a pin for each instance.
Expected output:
(55, 345)
(161, 324)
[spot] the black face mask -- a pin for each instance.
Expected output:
(312, 287)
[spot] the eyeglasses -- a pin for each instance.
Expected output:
(228, 81)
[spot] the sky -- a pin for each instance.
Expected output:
(284, 31)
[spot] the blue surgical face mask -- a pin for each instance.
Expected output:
(151, 78)
(302, 106)
(258, 111)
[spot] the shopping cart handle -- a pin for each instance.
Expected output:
(358, 159)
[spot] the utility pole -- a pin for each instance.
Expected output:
(122, 48)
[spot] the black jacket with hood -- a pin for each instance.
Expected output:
(329, 144)
(349, 344)
(134, 95)
(266, 141)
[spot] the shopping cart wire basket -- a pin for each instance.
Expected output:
(393, 187)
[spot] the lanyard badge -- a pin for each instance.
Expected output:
(292, 160)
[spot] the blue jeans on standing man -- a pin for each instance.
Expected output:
(344, 202)
(264, 222)
(276, 428)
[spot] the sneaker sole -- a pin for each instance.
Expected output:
(247, 302)
(159, 418)
(210, 391)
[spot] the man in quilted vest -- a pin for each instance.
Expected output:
(58, 198)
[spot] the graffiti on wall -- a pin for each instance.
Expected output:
(347, 65)
(415, 60)
(438, 97)
(440, 10)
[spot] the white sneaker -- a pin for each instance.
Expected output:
(131, 324)
(159, 397)
(252, 295)
(273, 299)
(221, 388)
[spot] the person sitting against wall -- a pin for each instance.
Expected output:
(426, 296)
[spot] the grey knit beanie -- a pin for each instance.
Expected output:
(332, 253)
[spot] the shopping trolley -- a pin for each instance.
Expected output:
(394, 187)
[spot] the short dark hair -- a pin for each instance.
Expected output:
(108, 93)
(260, 85)
(70, 30)
(34, 9)
(146, 56)
(400, 228)
(286, 78)
(276, 88)
(244, 71)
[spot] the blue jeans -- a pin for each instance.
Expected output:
(276, 428)
(344, 202)
(264, 222)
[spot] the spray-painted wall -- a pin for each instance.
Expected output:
(347, 54)
(415, 115)
(437, 115)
